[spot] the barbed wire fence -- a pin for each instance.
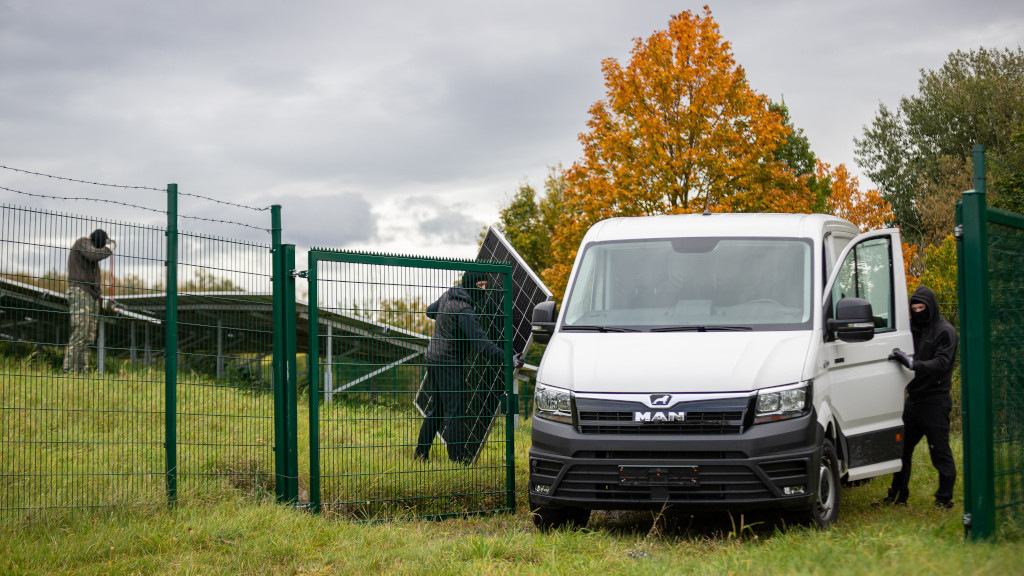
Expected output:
(89, 435)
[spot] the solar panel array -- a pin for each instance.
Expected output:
(485, 382)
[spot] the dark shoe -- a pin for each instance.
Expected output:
(943, 504)
(890, 501)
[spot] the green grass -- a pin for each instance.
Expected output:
(98, 441)
(224, 526)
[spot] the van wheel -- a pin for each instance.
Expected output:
(554, 518)
(825, 508)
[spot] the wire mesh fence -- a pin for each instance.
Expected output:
(141, 364)
(1006, 283)
(224, 401)
(81, 406)
(100, 404)
(990, 259)
(411, 386)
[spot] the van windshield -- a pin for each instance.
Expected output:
(693, 284)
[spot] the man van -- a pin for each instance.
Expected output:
(720, 362)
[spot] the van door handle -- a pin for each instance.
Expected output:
(840, 360)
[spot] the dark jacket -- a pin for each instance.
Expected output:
(457, 332)
(935, 344)
(84, 266)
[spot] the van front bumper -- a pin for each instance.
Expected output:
(772, 465)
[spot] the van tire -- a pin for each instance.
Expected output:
(824, 509)
(554, 518)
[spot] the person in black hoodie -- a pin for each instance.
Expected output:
(928, 401)
(456, 333)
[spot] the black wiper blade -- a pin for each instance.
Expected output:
(585, 328)
(702, 329)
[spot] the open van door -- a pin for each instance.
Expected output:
(866, 316)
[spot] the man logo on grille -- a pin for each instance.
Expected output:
(660, 399)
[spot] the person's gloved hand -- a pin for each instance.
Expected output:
(517, 361)
(901, 357)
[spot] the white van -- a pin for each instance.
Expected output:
(720, 362)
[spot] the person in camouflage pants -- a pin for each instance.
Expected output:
(84, 296)
(85, 311)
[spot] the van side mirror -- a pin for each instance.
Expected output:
(543, 321)
(854, 321)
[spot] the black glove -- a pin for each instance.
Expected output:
(901, 357)
(517, 361)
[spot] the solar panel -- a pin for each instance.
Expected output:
(485, 384)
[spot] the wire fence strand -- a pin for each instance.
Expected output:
(126, 187)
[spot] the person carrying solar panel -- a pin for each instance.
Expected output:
(84, 296)
(457, 332)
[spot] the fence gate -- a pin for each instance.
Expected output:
(367, 377)
(991, 284)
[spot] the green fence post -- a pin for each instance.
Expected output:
(280, 275)
(979, 506)
(312, 362)
(291, 379)
(171, 355)
(513, 403)
(964, 347)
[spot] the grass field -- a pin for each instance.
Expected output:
(224, 529)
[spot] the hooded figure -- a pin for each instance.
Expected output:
(456, 333)
(928, 403)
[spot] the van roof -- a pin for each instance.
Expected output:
(719, 224)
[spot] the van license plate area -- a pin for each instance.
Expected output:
(659, 475)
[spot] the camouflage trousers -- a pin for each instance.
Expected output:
(85, 312)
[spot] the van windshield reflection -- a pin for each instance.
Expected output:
(693, 284)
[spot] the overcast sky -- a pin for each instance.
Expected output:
(402, 126)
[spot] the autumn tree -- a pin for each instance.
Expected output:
(529, 222)
(680, 130)
(864, 208)
(919, 154)
(795, 151)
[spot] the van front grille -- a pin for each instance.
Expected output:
(713, 417)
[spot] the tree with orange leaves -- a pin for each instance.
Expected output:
(679, 131)
(867, 209)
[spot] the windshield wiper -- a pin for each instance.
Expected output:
(579, 328)
(702, 329)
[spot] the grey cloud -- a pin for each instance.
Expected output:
(333, 221)
(442, 222)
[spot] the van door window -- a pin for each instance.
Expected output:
(867, 273)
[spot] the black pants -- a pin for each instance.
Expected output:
(926, 420)
(447, 412)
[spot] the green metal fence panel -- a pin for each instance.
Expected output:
(367, 366)
(1006, 282)
(152, 383)
(225, 433)
(91, 435)
(991, 258)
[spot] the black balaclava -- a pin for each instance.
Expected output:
(469, 280)
(924, 295)
(98, 238)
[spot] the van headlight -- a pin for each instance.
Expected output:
(782, 403)
(552, 403)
